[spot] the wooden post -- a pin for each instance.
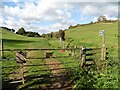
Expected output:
(73, 53)
(103, 47)
(1, 43)
(63, 42)
(1, 65)
(102, 33)
(1, 48)
(83, 54)
(103, 54)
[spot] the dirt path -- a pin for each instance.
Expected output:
(58, 80)
(58, 72)
(55, 66)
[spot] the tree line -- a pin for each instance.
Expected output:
(22, 31)
(11, 30)
(60, 33)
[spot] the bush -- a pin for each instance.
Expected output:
(91, 79)
(83, 78)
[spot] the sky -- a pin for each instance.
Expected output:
(45, 16)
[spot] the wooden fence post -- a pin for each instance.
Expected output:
(74, 49)
(103, 48)
(83, 56)
(1, 48)
(103, 52)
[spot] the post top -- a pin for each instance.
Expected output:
(102, 32)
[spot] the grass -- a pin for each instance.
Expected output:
(89, 35)
(14, 41)
(11, 40)
(80, 36)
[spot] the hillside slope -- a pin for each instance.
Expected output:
(88, 35)
(12, 40)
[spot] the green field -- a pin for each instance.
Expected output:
(83, 35)
(87, 36)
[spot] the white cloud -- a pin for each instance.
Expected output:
(44, 10)
(51, 28)
(11, 11)
(68, 0)
(86, 0)
(97, 9)
(94, 19)
(30, 12)
(1, 21)
(110, 10)
(90, 10)
(60, 14)
(111, 18)
(15, 1)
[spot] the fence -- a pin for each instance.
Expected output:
(23, 68)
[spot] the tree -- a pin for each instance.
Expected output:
(62, 35)
(12, 30)
(43, 35)
(70, 26)
(51, 35)
(32, 34)
(21, 31)
(91, 22)
(101, 19)
(56, 35)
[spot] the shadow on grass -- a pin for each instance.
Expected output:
(30, 81)
(15, 41)
(47, 82)
(37, 82)
(9, 86)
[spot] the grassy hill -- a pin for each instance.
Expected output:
(87, 35)
(12, 40)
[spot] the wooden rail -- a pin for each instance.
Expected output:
(32, 49)
(82, 58)
(40, 49)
